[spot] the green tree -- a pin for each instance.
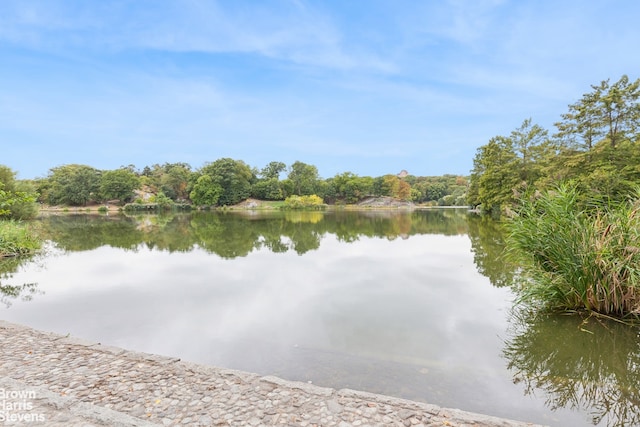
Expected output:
(163, 201)
(495, 175)
(436, 191)
(610, 110)
(171, 178)
(530, 143)
(17, 198)
(7, 178)
(8, 200)
(620, 108)
(579, 128)
(205, 191)
(174, 182)
(74, 185)
(351, 188)
(598, 143)
(234, 177)
(304, 178)
(268, 189)
(118, 184)
(273, 170)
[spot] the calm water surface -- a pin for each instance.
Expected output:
(411, 304)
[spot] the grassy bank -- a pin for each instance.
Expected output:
(17, 238)
(577, 256)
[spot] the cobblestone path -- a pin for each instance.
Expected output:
(53, 380)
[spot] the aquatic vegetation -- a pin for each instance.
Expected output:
(17, 238)
(577, 256)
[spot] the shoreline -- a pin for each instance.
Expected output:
(71, 377)
(113, 209)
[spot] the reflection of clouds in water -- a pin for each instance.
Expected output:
(340, 311)
(265, 290)
(237, 296)
(410, 300)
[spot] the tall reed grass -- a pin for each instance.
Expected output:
(17, 238)
(575, 258)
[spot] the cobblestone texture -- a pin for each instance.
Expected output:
(80, 383)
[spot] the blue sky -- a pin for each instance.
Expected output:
(371, 87)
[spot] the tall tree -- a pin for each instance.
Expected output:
(74, 185)
(495, 175)
(530, 141)
(610, 110)
(580, 128)
(234, 177)
(620, 109)
(304, 178)
(273, 170)
(118, 184)
(205, 191)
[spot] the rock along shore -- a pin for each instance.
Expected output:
(55, 380)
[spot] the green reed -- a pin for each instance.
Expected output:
(17, 238)
(577, 256)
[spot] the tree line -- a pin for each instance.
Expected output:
(595, 147)
(224, 182)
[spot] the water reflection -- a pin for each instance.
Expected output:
(10, 292)
(405, 308)
(236, 234)
(487, 243)
(592, 365)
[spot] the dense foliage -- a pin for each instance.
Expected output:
(226, 182)
(596, 146)
(572, 228)
(17, 198)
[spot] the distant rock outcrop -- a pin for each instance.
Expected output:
(385, 202)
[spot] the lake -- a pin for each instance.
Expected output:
(413, 304)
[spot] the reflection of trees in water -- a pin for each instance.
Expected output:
(81, 232)
(591, 365)
(24, 292)
(487, 244)
(10, 292)
(236, 234)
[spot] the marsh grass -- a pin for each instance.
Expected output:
(574, 257)
(17, 238)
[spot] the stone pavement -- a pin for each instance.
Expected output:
(54, 380)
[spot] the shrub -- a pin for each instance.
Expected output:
(304, 202)
(574, 258)
(162, 201)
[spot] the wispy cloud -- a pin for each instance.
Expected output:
(293, 32)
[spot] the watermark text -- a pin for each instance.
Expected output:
(16, 406)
